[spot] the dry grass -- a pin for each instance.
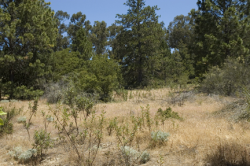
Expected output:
(198, 140)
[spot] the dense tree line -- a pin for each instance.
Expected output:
(37, 47)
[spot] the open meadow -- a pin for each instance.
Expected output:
(199, 129)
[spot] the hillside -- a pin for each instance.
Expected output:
(204, 135)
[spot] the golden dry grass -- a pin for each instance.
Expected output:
(190, 143)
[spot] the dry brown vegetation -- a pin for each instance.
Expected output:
(204, 137)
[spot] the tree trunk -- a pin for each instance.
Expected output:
(12, 83)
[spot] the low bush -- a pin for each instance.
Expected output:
(21, 119)
(42, 142)
(168, 113)
(145, 157)
(227, 80)
(159, 138)
(23, 156)
(132, 156)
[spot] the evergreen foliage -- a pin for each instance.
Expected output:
(39, 48)
(62, 41)
(229, 79)
(221, 31)
(99, 37)
(138, 42)
(28, 32)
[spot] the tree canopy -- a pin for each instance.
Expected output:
(39, 47)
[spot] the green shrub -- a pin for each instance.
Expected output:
(159, 138)
(27, 155)
(23, 92)
(227, 80)
(145, 157)
(168, 113)
(42, 142)
(16, 152)
(22, 156)
(129, 152)
(131, 155)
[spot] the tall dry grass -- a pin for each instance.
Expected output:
(201, 139)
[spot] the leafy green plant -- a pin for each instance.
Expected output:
(168, 113)
(227, 80)
(2, 113)
(22, 92)
(8, 115)
(42, 142)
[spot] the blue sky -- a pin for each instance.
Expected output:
(106, 10)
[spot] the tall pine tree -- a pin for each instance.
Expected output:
(28, 32)
(138, 42)
(221, 31)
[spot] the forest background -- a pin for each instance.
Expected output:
(65, 57)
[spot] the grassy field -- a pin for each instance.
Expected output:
(208, 134)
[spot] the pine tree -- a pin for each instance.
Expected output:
(62, 40)
(180, 38)
(221, 32)
(180, 30)
(99, 36)
(28, 32)
(82, 45)
(138, 42)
